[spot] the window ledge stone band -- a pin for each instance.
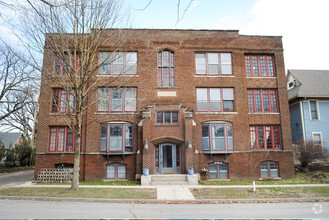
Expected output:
(216, 113)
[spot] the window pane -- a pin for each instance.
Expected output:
(159, 117)
(263, 65)
(105, 61)
(110, 173)
(131, 63)
(174, 117)
(121, 172)
(55, 107)
(53, 133)
(223, 171)
(200, 63)
(317, 139)
(104, 138)
(165, 58)
(258, 103)
(166, 77)
(167, 117)
(130, 100)
(63, 101)
(228, 97)
(270, 66)
(269, 140)
(253, 139)
(248, 65)
(273, 103)
(261, 138)
(213, 171)
(263, 170)
(214, 99)
(277, 139)
(226, 63)
(116, 138)
(229, 135)
(129, 135)
(218, 137)
(103, 99)
(255, 65)
(266, 103)
(61, 137)
(202, 104)
(69, 141)
(116, 99)
(314, 112)
(274, 169)
(213, 63)
(251, 103)
(205, 137)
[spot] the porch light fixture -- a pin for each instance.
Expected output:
(189, 144)
(146, 144)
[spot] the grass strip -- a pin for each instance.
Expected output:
(261, 193)
(102, 183)
(101, 193)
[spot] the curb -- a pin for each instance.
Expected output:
(154, 201)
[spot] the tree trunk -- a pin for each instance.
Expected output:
(76, 168)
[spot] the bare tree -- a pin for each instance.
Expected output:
(74, 32)
(15, 78)
(307, 151)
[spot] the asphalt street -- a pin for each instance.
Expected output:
(13, 179)
(61, 209)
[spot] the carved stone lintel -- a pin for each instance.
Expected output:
(188, 114)
(146, 115)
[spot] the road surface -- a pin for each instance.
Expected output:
(13, 179)
(61, 210)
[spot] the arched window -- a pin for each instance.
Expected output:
(116, 171)
(218, 170)
(269, 169)
(217, 137)
(166, 68)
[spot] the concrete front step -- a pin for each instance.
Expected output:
(170, 179)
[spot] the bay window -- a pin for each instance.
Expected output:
(118, 63)
(166, 68)
(116, 137)
(215, 99)
(269, 169)
(262, 100)
(116, 100)
(265, 137)
(61, 139)
(259, 65)
(213, 64)
(217, 137)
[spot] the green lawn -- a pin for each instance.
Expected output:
(315, 177)
(105, 183)
(260, 193)
(104, 193)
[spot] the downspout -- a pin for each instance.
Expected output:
(302, 117)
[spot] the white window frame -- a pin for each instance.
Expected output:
(317, 133)
(317, 109)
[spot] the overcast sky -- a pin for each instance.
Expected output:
(303, 24)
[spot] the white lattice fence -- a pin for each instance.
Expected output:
(55, 175)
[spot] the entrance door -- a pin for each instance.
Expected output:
(167, 159)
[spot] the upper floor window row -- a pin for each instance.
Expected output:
(262, 100)
(213, 64)
(116, 63)
(166, 68)
(259, 65)
(116, 99)
(215, 99)
(65, 65)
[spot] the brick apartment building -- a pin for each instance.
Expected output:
(211, 100)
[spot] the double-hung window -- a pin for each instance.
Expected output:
(116, 171)
(259, 65)
(116, 100)
(167, 117)
(218, 170)
(213, 64)
(217, 137)
(62, 101)
(265, 137)
(262, 100)
(116, 137)
(269, 169)
(166, 68)
(66, 65)
(118, 63)
(314, 110)
(317, 138)
(61, 139)
(215, 99)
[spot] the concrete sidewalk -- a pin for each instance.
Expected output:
(172, 192)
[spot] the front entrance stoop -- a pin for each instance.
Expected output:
(169, 179)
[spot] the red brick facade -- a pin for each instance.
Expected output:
(243, 163)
